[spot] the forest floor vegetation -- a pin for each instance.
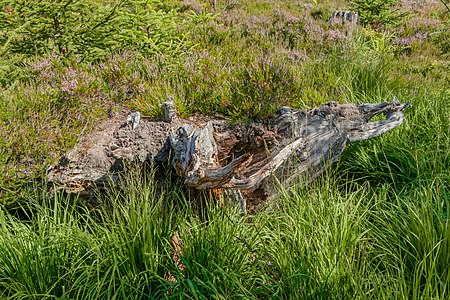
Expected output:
(376, 225)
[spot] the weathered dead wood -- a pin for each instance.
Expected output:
(341, 17)
(208, 153)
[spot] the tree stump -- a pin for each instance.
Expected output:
(210, 153)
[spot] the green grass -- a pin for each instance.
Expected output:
(374, 226)
(329, 241)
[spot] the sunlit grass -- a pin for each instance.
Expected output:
(327, 240)
(374, 226)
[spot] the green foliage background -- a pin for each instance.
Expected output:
(380, 12)
(88, 29)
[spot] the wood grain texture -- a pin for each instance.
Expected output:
(209, 153)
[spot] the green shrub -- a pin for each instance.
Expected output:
(378, 12)
(90, 29)
(320, 13)
(259, 89)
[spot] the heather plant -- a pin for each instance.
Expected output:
(259, 89)
(288, 28)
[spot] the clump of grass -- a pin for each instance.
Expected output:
(67, 251)
(326, 240)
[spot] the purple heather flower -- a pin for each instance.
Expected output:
(336, 35)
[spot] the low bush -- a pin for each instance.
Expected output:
(378, 13)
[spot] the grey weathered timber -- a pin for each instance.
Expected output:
(342, 17)
(209, 153)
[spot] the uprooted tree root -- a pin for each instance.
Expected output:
(212, 154)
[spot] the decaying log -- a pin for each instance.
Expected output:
(209, 153)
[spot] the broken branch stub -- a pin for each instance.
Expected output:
(209, 153)
(194, 159)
